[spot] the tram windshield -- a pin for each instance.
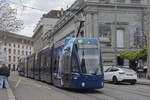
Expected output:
(89, 59)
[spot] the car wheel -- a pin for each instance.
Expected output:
(115, 81)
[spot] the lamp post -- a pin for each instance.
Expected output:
(148, 43)
(115, 25)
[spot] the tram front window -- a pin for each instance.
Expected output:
(89, 59)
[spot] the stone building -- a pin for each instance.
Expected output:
(14, 47)
(46, 23)
(118, 24)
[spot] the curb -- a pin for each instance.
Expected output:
(10, 94)
(148, 84)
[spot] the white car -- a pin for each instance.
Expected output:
(120, 74)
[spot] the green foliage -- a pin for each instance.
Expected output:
(133, 56)
(128, 55)
(142, 54)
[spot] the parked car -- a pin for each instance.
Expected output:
(120, 74)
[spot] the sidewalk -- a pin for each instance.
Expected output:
(3, 94)
(6, 94)
(143, 82)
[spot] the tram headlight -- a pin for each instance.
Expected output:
(102, 84)
(83, 84)
(75, 77)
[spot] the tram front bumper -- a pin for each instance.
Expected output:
(87, 83)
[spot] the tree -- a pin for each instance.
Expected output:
(134, 57)
(8, 20)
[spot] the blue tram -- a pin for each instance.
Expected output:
(72, 63)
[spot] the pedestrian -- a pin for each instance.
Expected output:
(4, 74)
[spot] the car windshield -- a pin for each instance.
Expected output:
(89, 59)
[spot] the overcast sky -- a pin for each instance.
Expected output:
(32, 16)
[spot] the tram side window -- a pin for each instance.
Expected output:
(43, 62)
(47, 61)
(56, 64)
(47, 65)
(74, 64)
(67, 63)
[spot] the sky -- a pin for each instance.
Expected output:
(32, 16)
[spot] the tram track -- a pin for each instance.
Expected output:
(128, 91)
(138, 88)
(109, 92)
(75, 94)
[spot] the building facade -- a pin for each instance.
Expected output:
(14, 47)
(118, 24)
(46, 23)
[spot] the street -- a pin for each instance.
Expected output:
(28, 89)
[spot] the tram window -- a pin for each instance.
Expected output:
(76, 47)
(42, 60)
(74, 63)
(56, 64)
(47, 61)
(83, 65)
(67, 63)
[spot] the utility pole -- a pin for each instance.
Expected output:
(148, 43)
(115, 25)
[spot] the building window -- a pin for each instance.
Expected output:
(105, 1)
(9, 51)
(120, 61)
(30, 53)
(14, 51)
(18, 46)
(9, 58)
(9, 66)
(23, 47)
(26, 47)
(26, 52)
(10, 44)
(82, 33)
(135, 1)
(14, 67)
(105, 34)
(121, 1)
(18, 58)
(120, 38)
(135, 36)
(5, 44)
(30, 48)
(5, 49)
(14, 45)
(14, 59)
(18, 52)
(22, 52)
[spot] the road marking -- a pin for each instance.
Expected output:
(37, 85)
(47, 87)
(10, 94)
(18, 82)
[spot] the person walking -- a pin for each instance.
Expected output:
(4, 74)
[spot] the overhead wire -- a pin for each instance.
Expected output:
(26, 6)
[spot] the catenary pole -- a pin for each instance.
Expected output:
(115, 25)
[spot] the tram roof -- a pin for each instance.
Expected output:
(77, 41)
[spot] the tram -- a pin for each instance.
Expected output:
(72, 63)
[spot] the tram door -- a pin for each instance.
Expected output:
(67, 74)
